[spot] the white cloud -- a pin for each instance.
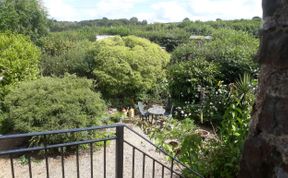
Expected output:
(154, 11)
(112, 8)
(60, 10)
(225, 9)
(172, 11)
(169, 11)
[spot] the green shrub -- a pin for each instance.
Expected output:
(221, 157)
(189, 51)
(19, 59)
(232, 50)
(196, 91)
(185, 78)
(171, 130)
(234, 129)
(56, 44)
(51, 104)
(73, 59)
(212, 156)
(26, 17)
(210, 108)
(182, 140)
(127, 67)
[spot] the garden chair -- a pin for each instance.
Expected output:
(169, 111)
(143, 113)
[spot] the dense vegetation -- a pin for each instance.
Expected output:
(27, 17)
(168, 35)
(58, 103)
(127, 68)
(19, 59)
(210, 78)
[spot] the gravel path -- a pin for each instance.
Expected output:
(38, 168)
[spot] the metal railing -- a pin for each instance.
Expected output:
(119, 139)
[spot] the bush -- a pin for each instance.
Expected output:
(210, 108)
(214, 156)
(25, 17)
(171, 130)
(52, 103)
(127, 67)
(188, 51)
(71, 60)
(56, 44)
(234, 129)
(182, 140)
(232, 50)
(185, 78)
(196, 91)
(19, 59)
(221, 157)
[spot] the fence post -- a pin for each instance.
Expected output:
(119, 151)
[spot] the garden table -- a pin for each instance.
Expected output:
(156, 111)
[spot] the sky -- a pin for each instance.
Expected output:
(153, 10)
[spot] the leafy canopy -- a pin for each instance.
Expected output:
(23, 16)
(70, 59)
(232, 50)
(127, 67)
(19, 59)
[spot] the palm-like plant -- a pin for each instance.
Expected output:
(244, 89)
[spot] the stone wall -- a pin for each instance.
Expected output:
(266, 148)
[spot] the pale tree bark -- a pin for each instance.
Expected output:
(266, 148)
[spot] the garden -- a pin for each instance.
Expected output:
(56, 75)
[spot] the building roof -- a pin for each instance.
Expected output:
(101, 37)
(198, 37)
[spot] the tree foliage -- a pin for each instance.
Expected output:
(19, 59)
(62, 56)
(196, 90)
(232, 50)
(27, 17)
(127, 67)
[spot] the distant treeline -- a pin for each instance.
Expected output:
(104, 22)
(168, 35)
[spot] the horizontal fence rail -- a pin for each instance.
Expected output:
(116, 133)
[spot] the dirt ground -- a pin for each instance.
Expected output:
(39, 171)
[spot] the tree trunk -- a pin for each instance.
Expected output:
(266, 148)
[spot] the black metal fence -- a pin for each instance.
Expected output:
(118, 137)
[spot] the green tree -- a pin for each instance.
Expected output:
(27, 17)
(232, 50)
(70, 59)
(128, 67)
(134, 20)
(19, 59)
(196, 90)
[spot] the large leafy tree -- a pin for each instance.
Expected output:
(27, 17)
(128, 67)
